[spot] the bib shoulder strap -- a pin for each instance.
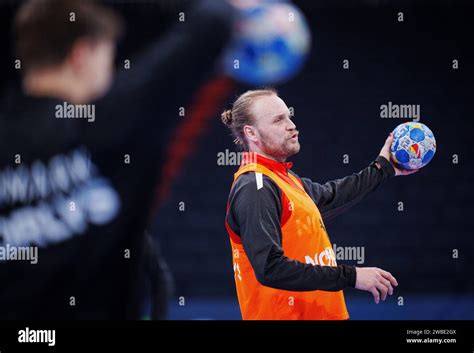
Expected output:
(251, 167)
(297, 181)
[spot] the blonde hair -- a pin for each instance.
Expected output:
(241, 114)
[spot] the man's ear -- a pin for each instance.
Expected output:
(250, 133)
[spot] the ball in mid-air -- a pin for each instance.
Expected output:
(413, 145)
(270, 44)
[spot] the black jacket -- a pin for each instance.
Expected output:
(260, 227)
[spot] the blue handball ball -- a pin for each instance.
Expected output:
(271, 41)
(413, 145)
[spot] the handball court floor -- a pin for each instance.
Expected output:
(415, 307)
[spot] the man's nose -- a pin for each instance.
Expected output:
(291, 125)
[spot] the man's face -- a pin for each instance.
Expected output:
(95, 66)
(275, 131)
(102, 58)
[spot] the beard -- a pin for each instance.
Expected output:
(280, 150)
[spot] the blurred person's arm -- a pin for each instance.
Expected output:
(255, 215)
(188, 47)
(163, 77)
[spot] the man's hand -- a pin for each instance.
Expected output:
(385, 152)
(373, 280)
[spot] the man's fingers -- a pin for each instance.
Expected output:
(387, 284)
(389, 276)
(376, 294)
(383, 289)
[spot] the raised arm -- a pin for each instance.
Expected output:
(337, 196)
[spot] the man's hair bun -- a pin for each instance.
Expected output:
(226, 117)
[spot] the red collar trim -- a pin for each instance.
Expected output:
(252, 157)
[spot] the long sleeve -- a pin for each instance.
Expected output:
(335, 197)
(255, 216)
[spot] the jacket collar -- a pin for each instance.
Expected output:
(275, 166)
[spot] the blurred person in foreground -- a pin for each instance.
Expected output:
(81, 153)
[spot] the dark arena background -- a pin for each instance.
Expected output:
(363, 55)
(338, 112)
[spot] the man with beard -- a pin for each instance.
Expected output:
(284, 264)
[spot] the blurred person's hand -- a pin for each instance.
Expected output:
(376, 281)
